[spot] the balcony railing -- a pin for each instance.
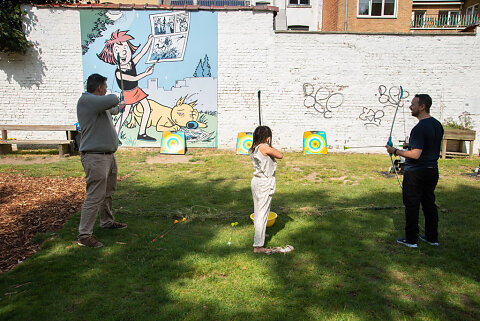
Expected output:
(219, 3)
(444, 21)
(181, 2)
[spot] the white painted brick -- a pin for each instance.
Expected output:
(43, 86)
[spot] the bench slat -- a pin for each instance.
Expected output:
(35, 142)
(39, 127)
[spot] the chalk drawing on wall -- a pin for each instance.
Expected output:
(389, 99)
(372, 117)
(322, 99)
(244, 142)
(314, 142)
(170, 35)
(173, 143)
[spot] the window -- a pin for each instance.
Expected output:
(418, 17)
(377, 8)
(298, 27)
(299, 2)
(448, 18)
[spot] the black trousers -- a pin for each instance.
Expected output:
(418, 188)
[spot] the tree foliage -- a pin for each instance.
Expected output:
(12, 35)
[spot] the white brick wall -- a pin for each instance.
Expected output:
(353, 65)
(43, 87)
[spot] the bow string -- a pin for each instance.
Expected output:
(390, 142)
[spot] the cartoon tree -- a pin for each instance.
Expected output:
(199, 71)
(93, 28)
(206, 68)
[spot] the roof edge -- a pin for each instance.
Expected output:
(121, 6)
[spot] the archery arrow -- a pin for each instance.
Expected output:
(231, 233)
(169, 229)
(347, 147)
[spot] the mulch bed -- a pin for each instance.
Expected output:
(31, 205)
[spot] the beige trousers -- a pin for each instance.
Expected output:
(101, 178)
(262, 192)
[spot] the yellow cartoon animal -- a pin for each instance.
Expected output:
(168, 119)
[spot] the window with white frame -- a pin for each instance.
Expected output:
(377, 8)
(448, 18)
(299, 2)
(418, 18)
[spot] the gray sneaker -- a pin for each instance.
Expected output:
(89, 241)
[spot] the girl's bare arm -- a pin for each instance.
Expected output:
(142, 52)
(270, 151)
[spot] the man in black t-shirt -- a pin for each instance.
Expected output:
(421, 173)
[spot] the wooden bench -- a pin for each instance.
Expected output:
(65, 146)
(458, 137)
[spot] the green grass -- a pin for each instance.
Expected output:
(346, 264)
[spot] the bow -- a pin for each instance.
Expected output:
(121, 77)
(390, 142)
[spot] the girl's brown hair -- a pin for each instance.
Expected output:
(260, 136)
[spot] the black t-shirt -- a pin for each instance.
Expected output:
(427, 136)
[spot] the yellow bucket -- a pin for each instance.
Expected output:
(272, 216)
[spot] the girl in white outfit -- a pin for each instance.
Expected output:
(263, 157)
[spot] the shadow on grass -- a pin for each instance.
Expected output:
(346, 264)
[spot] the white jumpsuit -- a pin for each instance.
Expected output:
(263, 187)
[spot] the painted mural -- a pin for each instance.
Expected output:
(166, 62)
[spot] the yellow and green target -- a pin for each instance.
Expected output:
(314, 142)
(244, 142)
(173, 143)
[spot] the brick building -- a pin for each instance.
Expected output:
(367, 15)
(355, 15)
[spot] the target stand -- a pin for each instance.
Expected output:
(173, 143)
(314, 142)
(244, 142)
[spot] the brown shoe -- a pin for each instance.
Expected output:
(116, 226)
(90, 241)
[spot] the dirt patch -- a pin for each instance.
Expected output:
(341, 178)
(169, 159)
(345, 180)
(313, 177)
(29, 160)
(31, 205)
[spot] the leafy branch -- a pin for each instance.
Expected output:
(12, 35)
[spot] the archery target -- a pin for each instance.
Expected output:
(244, 142)
(314, 142)
(173, 143)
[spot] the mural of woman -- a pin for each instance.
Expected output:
(120, 44)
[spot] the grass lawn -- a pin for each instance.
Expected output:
(346, 264)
